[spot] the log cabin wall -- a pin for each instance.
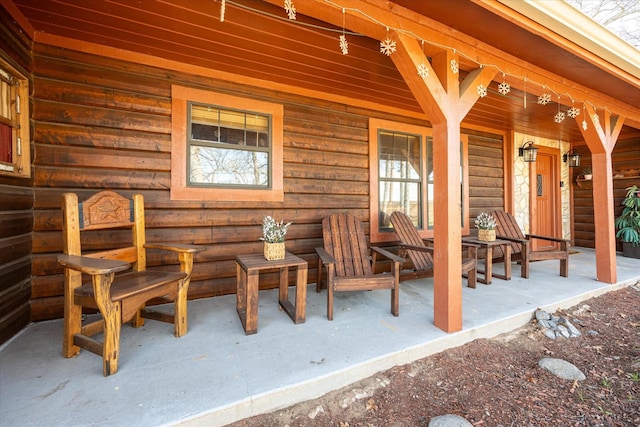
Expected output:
(16, 209)
(102, 123)
(625, 160)
(106, 124)
(486, 174)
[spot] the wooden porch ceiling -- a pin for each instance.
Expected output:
(256, 40)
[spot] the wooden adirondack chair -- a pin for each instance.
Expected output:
(118, 298)
(349, 266)
(508, 229)
(421, 255)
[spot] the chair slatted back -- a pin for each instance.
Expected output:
(508, 226)
(345, 240)
(408, 235)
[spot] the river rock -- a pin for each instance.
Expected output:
(561, 368)
(449, 420)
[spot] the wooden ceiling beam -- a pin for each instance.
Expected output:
(372, 18)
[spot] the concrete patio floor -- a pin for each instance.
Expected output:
(216, 374)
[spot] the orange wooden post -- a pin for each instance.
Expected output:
(601, 137)
(447, 298)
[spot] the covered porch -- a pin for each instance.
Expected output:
(216, 374)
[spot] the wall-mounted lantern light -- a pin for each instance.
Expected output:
(572, 159)
(528, 152)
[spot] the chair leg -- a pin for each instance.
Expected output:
(564, 267)
(112, 315)
(395, 291)
(319, 282)
(395, 299)
(524, 272)
(524, 269)
(111, 346)
(138, 319)
(72, 314)
(180, 321)
(472, 277)
(329, 300)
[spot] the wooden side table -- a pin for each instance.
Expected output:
(488, 258)
(248, 268)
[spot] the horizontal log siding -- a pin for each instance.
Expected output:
(625, 161)
(102, 123)
(486, 175)
(16, 210)
(106, 124)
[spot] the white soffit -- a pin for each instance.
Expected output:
(567, 21)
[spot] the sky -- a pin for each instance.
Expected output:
(621, 17)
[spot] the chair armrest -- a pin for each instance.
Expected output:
(428, 241)
(417, 248)
(325, 257)
(513, 239)
(470, 245)
(387, 254)
(175, 247)
(92, 266)
(471, 248)
(549, 238)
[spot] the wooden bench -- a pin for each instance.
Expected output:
(118, 297)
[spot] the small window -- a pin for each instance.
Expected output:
(229, 148)
(225, 148)
(14, 123)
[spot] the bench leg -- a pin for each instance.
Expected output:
(112, 315)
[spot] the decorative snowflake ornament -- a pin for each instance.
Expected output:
(504, 88)
(344, 45)
(290, 9)
(573, 112)
(388, 46)
(423, 70)
(544, 99)
(559, 117)
(454, 66)
(596, 118)
(584, 125)
(482, 91)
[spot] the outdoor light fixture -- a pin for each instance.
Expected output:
(572, 159)
(528, 152)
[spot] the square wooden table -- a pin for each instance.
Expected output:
(248, 268)
(488, 258)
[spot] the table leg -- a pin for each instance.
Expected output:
(283, 293)
(488, 265)
(507, 261)
(301, 294)
(241, 294)
(251, 325)
(297, 313)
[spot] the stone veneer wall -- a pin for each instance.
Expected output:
(522, 183)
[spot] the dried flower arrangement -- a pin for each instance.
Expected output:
(273, 231)
(485, 221)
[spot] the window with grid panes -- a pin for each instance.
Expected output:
(15, 157)
(228, 148)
